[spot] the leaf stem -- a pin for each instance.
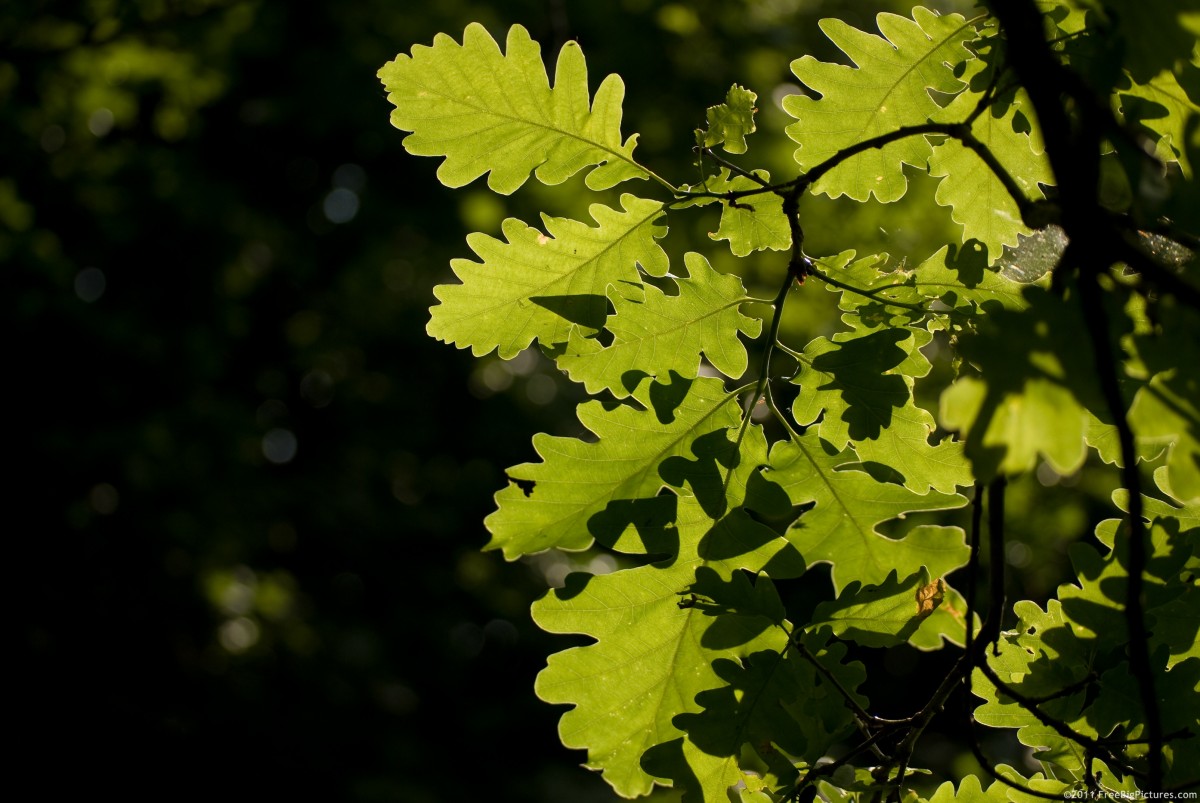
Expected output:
(871, 294)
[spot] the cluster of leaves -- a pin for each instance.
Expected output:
(723, 478)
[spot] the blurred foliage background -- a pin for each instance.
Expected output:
(249, 488)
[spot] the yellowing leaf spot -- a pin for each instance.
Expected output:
(929, 597)
(542, 239)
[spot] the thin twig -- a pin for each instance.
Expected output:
(757, 179)
(813, 270)
(1060, 727)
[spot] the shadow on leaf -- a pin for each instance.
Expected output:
(652, 520)
(665, 397)
(869, 393)
(716, 456)
(583, 309)
(969, 260)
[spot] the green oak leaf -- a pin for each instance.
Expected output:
(1166, 410)
(1117, 708)
(1042, 656)
(848, 505)
(978, 199)
(886, 89)
(655, 334)
(541, 286)
(729, 123)
(754, 223)
(860, 386)
(970, 790)
(964, 288)
(773, 705)
(965, 285)
(488, 111)
(919, 610)
(1097, 602)
(876, 615)
(648, 664)
(578, 480)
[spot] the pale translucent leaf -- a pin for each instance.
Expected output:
(729, 123)
(488, 111)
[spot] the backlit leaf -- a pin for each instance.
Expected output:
(487, 111)
(536, 286)
(886, 89)
(655, 334)
(848, 505)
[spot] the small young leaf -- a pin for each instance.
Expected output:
(729, 123)
(860, 386)
(755, 222)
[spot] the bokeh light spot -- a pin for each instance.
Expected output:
(238, 635)
(103, 498)
(341, 205)
(279, 446)
(100, 122)
(90, 284)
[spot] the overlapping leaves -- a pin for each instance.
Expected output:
(656, 334)
(696, 675)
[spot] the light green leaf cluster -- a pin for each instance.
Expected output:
(729, 462)
(1083, 634)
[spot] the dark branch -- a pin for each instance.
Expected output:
(1092, 304)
